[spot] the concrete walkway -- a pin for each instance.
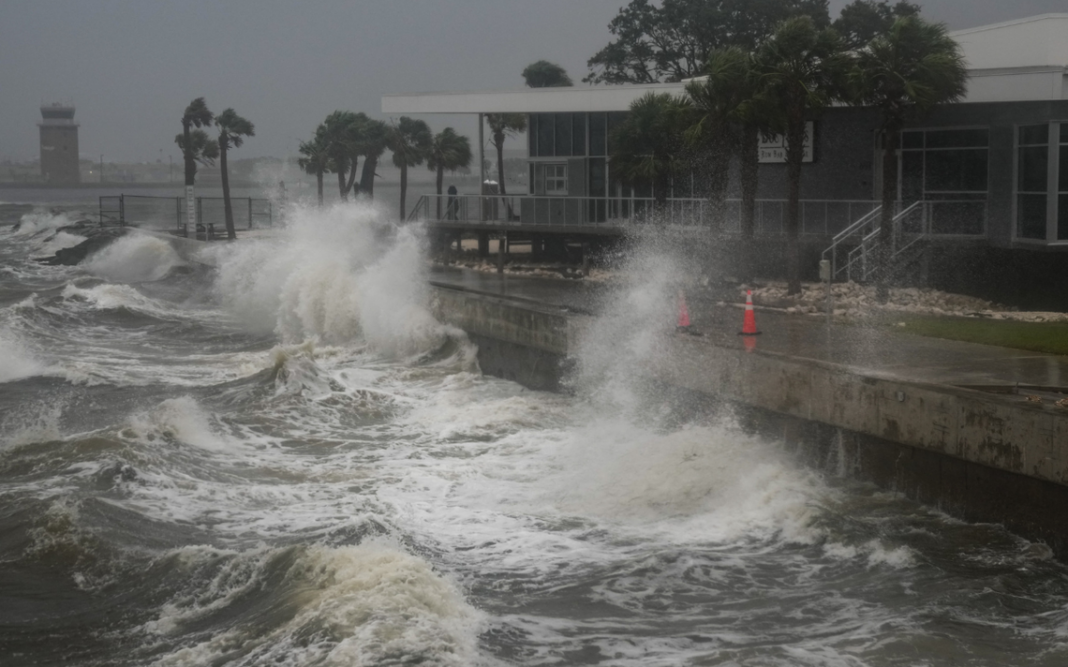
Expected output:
(878, 351)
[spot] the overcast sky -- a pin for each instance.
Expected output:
(131, 66)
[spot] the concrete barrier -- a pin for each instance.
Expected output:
(974, 454)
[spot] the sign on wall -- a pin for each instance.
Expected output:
(773, 147)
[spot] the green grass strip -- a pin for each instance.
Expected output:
(1046, 337)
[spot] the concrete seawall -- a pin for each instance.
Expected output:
(974, 454)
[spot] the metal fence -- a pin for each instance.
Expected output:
(818, 217)
(163, 212)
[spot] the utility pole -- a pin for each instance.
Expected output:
(101, 167)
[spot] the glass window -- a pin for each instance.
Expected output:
(912, 140)
(598, 140)
(578, 134)
(1034, 134)
(614, 120)
(532, 135)
(1032, 167)
(563, 134)
(955, 171)
(957, 139)
(1064, 133)
(1062, 175)
(546, 134)
(556, 179)
(597, 177)
(1031, 216)
(1062, 217)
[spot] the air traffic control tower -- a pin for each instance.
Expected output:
(59, 144)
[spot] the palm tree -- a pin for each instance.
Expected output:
(448, 151)
(232, 129)
(804, 68)
(341, 131)
(905, 73)
(649, 143)
(544, 74)
(503, 125)
(315, 160)
(410, 142)
(717, 100)
(195, 147)
(373, 142)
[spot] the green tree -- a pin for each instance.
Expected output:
(717, 100)
(648, 145)
(196, 147)
(503, 125)
(341, 133)
(449, 151)
(315, 159)
(905, 73)
(673, 41)
(410, 142)
(544, 74)
(804, 68)
(373, 142)
(232, 130)
(861, 20)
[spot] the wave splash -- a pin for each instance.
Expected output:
(338, 275)
(134, 258)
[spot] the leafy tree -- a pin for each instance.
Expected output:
(341, 131)
(717, 100)
(232, 130)
(373, 142)
(804, 67)
(449, 151)
(648, 144)
(905, 73)
(196, 147)
(544, 74)
(862, 20)
(673, 41)
(503, 125)
(410, 141)
(315, 159)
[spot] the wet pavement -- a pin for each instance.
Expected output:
(869, 349)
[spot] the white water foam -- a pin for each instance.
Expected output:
(370, 604)
(40, 220)
(17, 362)
(134, 258)
(342, 274)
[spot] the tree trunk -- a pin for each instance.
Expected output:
(231, 233)
(319, 183)
(352, 177)
(341, 185)
(718, 177)
(404, 189)
(795, 153)
(439, 181)
(498, 141)
(891, 136)
(367, 176)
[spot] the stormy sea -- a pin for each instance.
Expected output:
(277, 456)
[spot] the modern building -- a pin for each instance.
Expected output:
(59, 144)
(987, 177)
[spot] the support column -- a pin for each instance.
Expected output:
(483, 244)
(502, 247)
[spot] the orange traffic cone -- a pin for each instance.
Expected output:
(684, 313)
(749, 323)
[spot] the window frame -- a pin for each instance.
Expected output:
(555, 178)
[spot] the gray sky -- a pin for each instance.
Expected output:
(131, 66)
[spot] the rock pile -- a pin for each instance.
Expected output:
(854, 300)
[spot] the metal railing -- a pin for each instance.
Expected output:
(823, 217)
(918, 222)
(249, 212)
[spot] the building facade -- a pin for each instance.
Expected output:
(59, 144)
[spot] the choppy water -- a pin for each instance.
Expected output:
(289, 462)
